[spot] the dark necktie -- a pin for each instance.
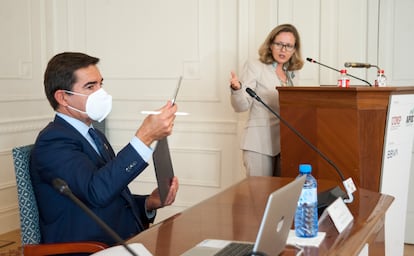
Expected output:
(100, 144)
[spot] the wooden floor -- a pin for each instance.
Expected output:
(10, 245)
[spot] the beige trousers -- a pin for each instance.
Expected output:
(261, 165)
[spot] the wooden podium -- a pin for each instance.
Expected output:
(345, 124)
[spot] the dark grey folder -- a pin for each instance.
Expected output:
(163, 167)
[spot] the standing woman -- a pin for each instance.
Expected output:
(279, 58)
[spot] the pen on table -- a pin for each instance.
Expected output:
(158, 112)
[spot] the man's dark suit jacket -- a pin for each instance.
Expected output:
(62, 152)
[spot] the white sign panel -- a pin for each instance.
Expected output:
(396, 168)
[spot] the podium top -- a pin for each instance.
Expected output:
(334, 88)
(360, 97)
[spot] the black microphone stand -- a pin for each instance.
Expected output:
(63, 188)
(324, 198)
(337, 70)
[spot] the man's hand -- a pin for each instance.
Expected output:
(153, 202)
(157, 126)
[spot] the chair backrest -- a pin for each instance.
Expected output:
(29, 213)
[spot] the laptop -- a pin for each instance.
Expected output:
(163, 167)
(274, 228)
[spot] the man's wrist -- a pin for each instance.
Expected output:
(150, 214)
(142, 149)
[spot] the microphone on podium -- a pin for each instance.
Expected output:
(359, 65)
(337, 70)
(63, 188)
(356, 65)
(327, 197)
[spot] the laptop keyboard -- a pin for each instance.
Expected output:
(235, 249)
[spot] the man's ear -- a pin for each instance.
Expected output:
(60, 97)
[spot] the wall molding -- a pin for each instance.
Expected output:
(9, 218)
(23, 124)
(19, 52)
(22, 98)
(197, 126)
(11, 208)
(7, 185)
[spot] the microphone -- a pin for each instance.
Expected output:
(360, 65)
(327, 197)
(337, 70)
(63, 188)
(356, 65)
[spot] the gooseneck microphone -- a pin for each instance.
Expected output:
(326, 198)
(323, 65)
(337, 70)
(356, 65)
(63, 188)
(359, 65)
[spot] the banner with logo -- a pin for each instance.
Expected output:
(396, 165)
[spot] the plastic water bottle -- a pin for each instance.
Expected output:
(343, 80)
(306, 217)
(381, 80)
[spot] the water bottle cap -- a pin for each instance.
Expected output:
(305, 168)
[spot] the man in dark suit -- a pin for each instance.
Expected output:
(67, 148)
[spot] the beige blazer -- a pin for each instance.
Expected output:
(261, 133)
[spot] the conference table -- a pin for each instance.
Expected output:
(236, 213)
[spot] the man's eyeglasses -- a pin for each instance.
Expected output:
(279, 46)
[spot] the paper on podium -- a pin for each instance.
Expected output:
(120, 250)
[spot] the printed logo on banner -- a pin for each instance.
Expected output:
(409, 121)
(391, 153)
(395, 122)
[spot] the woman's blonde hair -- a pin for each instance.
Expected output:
(265, 53)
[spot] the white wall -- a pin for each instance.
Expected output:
(23, 110)
(145, 45)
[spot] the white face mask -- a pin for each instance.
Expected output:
(98, 104)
